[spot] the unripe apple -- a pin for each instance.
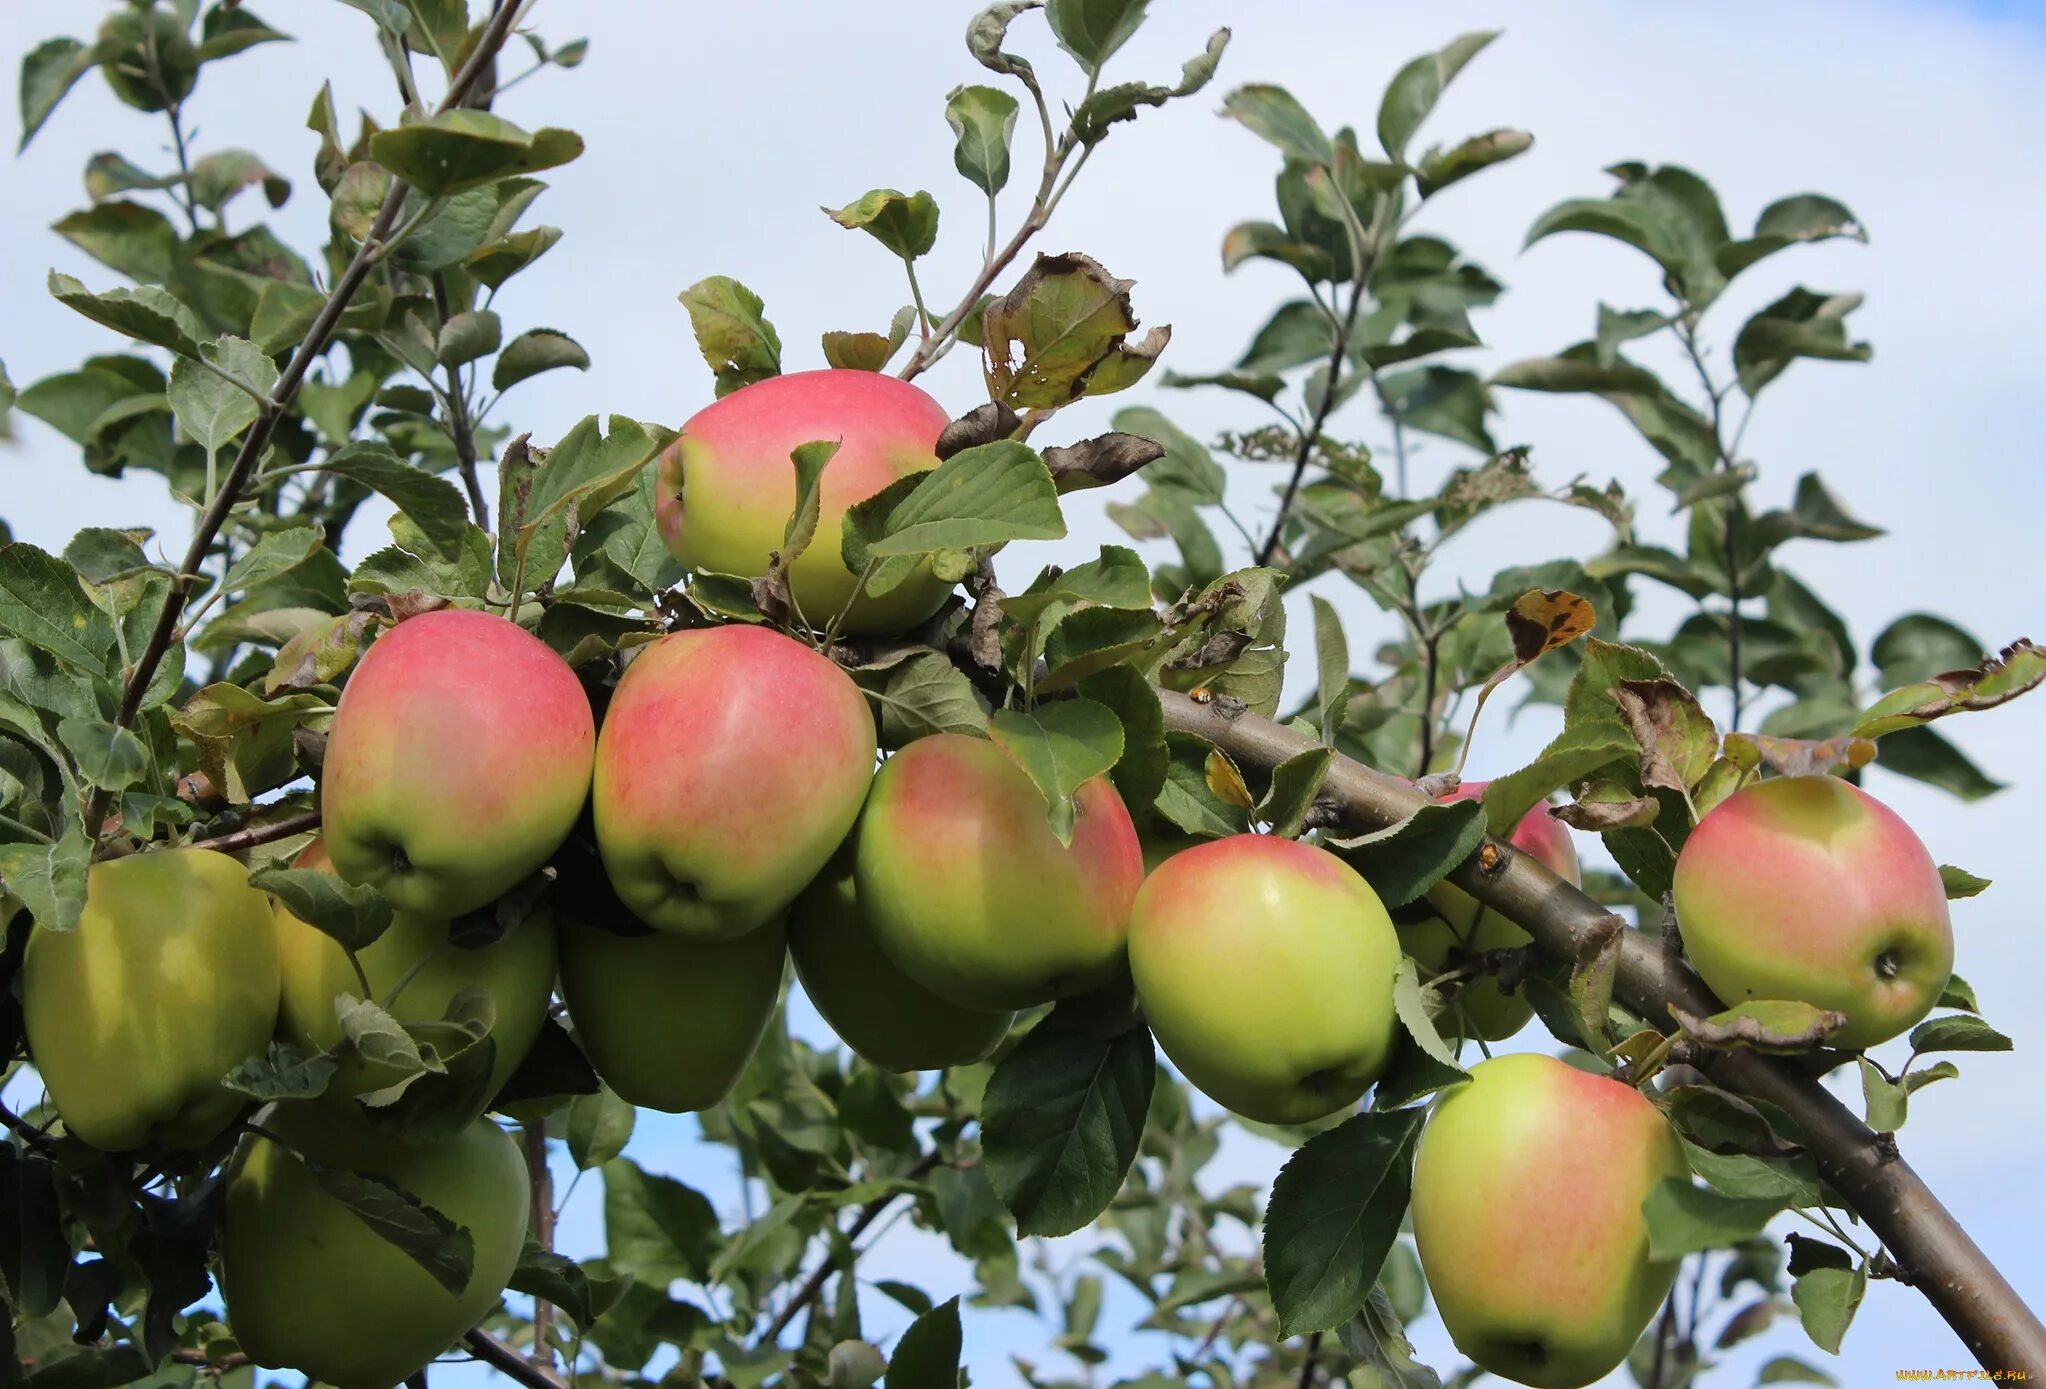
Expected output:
(670, 1022)
(732, 764)
(517, 969)
(876, 1009)
(169, 981)
(1265, 967)
(1462, 923)
(459, 759)
(310, 1287)
(968, 889)
(1808, 888)
(1527, 1213)
(727, 486)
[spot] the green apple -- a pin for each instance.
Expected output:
(1527, 1213)
(310, 1287)
(726, 486)
(458, 762)
(968, 889)
(876, 1009)
(1810, 889)
(1460, 923)
(169, 981)
(517, 969)
(668, 1021)
(732, 764)
(1265, 967)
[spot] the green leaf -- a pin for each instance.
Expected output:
(1784, 1369)
(810, 460)
(1918, 646)
(927, 1356)
(444, 1249)
(740, 345)
(468, 335)
(979, 496)
(213, 411)
(1884, 1100)
(1109, 105)
(1957, 1033)
(907, 224)
(1335, 1211)
(584, 472)
(354, 914)
(433, 503)
(1274, 115)
(1403, 861)
(1684, 1218)
(1803, 323)
(1295, 334)
(534, 351)
(147, 313)
(1789, 222)
(1826, 1300)
(1416, 88)
(921, 695)
(655, 1227)
(282, 1072)
(1061, 1120)
(225, 32)
(1117, 579)
(49, 879)
(599, 1126)
(1140, 772)
(1295, 783)
(556, 1279)
(1332, 668)
(275, 554)
(1187, 466)
(41, 602)
(48, 71)
(107, 756)
(1441, 400)
(1092, 30)
(1922, 754)
(465, 148)
(1960, 883)
(984, 121)
(1439, 168)
(1060, 746)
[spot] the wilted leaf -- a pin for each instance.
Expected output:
(1777, 1027)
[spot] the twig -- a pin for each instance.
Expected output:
(1713, 395)
(535, 1135)
(256, 835)
(271, 411)
(502, 1358)
(1307, 1365)
(460, 430)
(30, 1134)
(1960, 1281)
(1322, 409)
(814, 1284)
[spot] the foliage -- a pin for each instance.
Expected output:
(276, 389)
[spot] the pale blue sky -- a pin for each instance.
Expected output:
(715, 131)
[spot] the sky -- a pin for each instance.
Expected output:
(715, 132)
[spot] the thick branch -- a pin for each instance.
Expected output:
(257, 440)
(1936, 1254)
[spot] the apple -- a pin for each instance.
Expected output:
(727, 486)
(1527, 1214)
(732, 764)
(458, 761)
(1810, 889)
(968, 889)
(517, 969)
(669, 1021)
(169, 981)
(877, 1010)
(1265, 967)
(1483, 1009)
(311, 1287)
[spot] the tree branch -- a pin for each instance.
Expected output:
(535, 1136)
(1937, 1255)
(506, 1361)
(260, 834)
(814, 1284)
(257, 440)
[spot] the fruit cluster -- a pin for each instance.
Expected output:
(733, 796)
